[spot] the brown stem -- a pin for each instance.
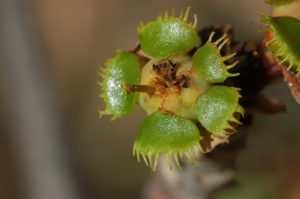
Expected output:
(139, 88)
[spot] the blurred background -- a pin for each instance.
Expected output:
(52, 143)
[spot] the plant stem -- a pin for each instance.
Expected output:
(139, 88)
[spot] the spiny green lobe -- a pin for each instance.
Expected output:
(167, 36)
(122, 69)
(278, 2)
(216, 107)
(209, 64)
(286, 41)
(161, 132)
(165, 133)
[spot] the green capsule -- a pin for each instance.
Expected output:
(168, 35)
(123, 69)
(175, 89)
(162, 133)
(209, 64)
(216, 108)
(285, 42)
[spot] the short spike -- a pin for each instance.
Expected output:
(232, 65)
(233, 74)
(220, 39)
(210, 37)
(138, 156)
(176, 160)
(279, 51)
(195, 21)
(270, 41)
(150, 159)
(169, 161)
(233, 119)
(290, 66)
(189, 157)
(225, 58)
(155, 161)
(223, 43)
(185, 18)
(284, 60)
(145, 159)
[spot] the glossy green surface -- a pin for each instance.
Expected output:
(286, 41)
(164, 133)
(122, 69)
(208, 64)
(215, 108)
(166, 37)
(278, 2)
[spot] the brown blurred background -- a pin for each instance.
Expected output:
(70, 40)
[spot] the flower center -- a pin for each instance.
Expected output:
(176, 86)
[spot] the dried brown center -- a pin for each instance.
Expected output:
(166, 75)
(175, 85)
